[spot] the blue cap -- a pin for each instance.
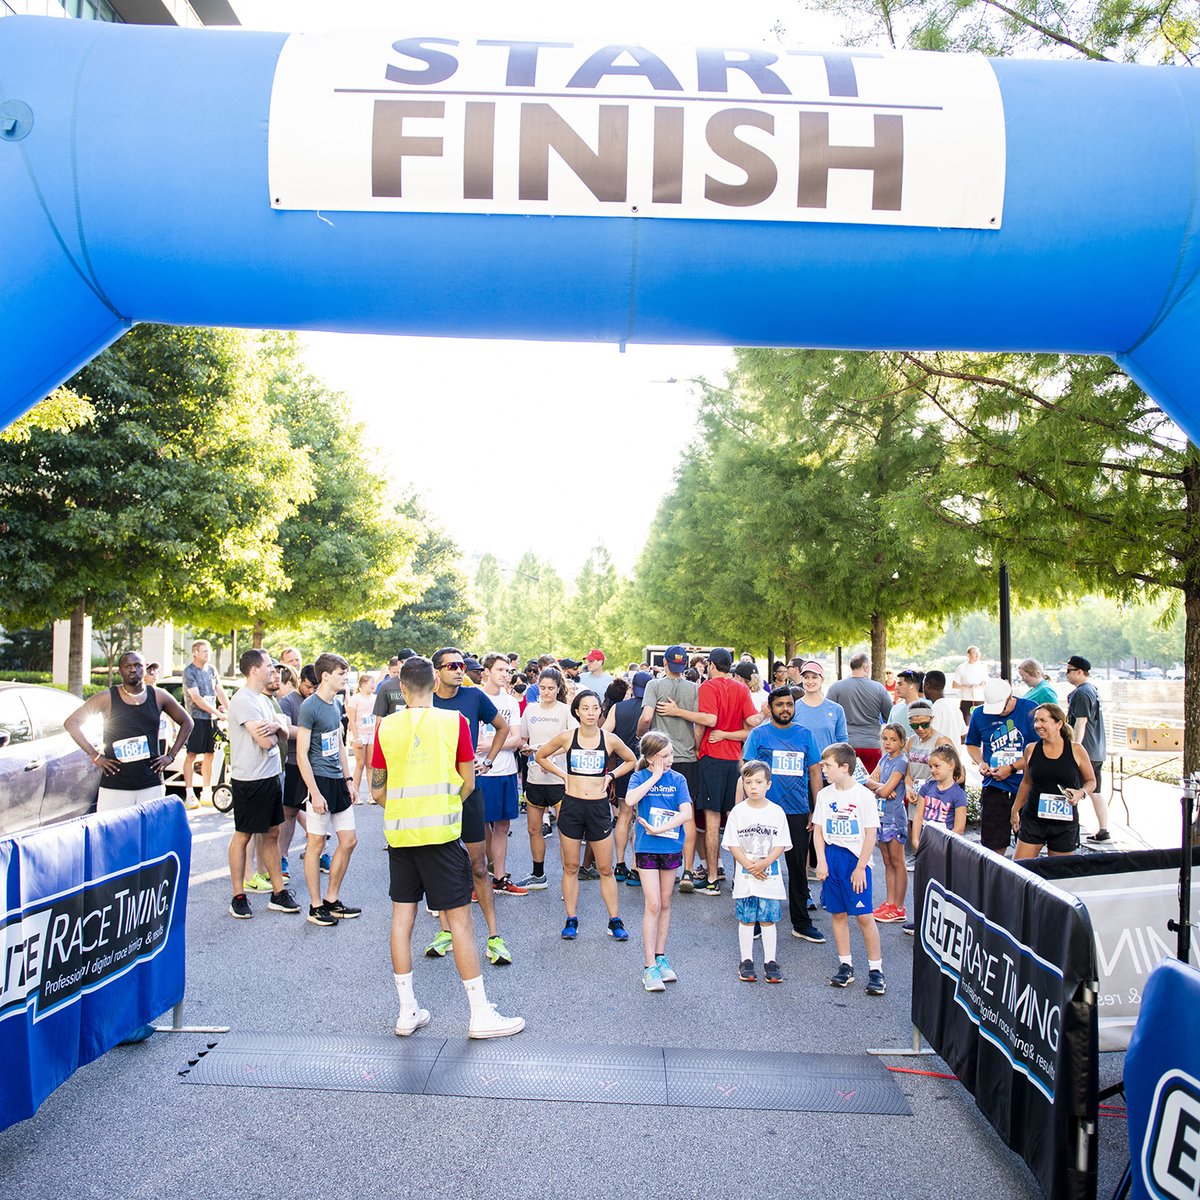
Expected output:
(639, 683)
(676, 659)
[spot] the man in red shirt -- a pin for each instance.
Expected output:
(726, 710)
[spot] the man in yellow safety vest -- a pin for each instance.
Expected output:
(422, 767)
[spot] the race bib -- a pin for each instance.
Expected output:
(587, 762)
(1053, 807)
(329, 744)
(1005, 758)
(367, 723)
(787, 762)
(658, 818)
(130, 750)
(841, 827)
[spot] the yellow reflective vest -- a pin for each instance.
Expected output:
(423, 805)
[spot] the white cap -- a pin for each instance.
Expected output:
(995, 696)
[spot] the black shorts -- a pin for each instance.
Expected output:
(544, 795)
(620, 788)
(691, 772)
(995, 824)
(581, 820)
(718, 779)
(1060, 836)
(203, 738)
(474, 827)
(294, 794)
(334, 791)
(442, 874)
(257, 804)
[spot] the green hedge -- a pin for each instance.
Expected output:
(25, 676)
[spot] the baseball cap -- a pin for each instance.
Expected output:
(639, 684)
(811, 664)
(676, 659)
(995, 695)
(406, 653)
(1079, 662)
(595, 656)
(473, 664)
(721, 659)
(569, 663)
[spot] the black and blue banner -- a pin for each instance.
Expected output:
(91, 942)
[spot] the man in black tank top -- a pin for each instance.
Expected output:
(131, 766)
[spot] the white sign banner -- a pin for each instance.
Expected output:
(444, 124)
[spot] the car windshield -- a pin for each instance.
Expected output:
(14, 719)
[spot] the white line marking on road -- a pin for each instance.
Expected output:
(209, 876)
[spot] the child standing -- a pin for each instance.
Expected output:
(887, 782)
(663, 806)
(360, 711)
(845, 820)
(757, 836)
(942, 801)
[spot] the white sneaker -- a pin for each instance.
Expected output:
(191, 803)
(409, 1022)
(488, 1023)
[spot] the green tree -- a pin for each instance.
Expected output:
(531, 609)
(595, 585)
(489, 586)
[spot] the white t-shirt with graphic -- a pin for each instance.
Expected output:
(845, 814)
(509, 707)
(756, 832)
(538, 726)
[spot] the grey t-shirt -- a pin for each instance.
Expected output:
(1085, 702)
(682, 733)
(247, 759)
(291, 709)
(325, 722)
(867, 706)
(204, 680)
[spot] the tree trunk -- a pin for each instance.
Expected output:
(1191, 681)
(260, 630)
(789, 648)
(878, 646)
(79, 655)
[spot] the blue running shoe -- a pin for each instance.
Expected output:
(283, 866)
(617, 930)
(325, 864)
(571, 929)
(633, 879)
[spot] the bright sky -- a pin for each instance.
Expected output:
(480, 428)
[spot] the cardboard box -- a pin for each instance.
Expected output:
(1154, 737)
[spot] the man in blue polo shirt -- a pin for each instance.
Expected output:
(791, 752)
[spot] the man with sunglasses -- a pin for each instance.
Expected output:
(476, 705)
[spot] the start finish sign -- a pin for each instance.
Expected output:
(372, 123)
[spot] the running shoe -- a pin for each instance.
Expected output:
(1101, 835)
(534, 883)
(320, 915)
(498, 953)
(343, 912)
(571, 929)
(899, 914)
(884, 912)
(486, 1022)
(720, 871)
(621, 872)
(771, 972)
(633, 879)
(240, 907)
(909, 927)
(757, 931)
(812, 905)
(876, 984)
(283, 866)
(504, 886)
(711, 889)
(258, 882)
(325, 864)
(664, 969)
(590, 873)
(701, 880)
(547, 829)
(746, 971)
(687, 883)
(191, 803)
(283, 902)
(809, 933)
(652, 980)
(408, 1023)
(617, 930)
(843, 977)
(440, 944)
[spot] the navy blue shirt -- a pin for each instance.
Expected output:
(474, 704)
(1002, 740)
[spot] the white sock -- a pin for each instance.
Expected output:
(845, 958)
(404, 989)
(874, 964)
(746, 941)
(476, 994)
(768, 937)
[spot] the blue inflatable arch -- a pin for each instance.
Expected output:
(509, 189)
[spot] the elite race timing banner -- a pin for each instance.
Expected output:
(1002, 972)
(446, 124)
(91, 942)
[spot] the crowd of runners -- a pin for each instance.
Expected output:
(644, 777)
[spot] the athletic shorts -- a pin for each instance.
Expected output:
(544, 795)
(691, 772)
(995, 824)
(585, 820)
(837, 892)
(718, 779)
(203, 738)
(335, 791)
(110, 799)
(619, 789)
(474, 828)
(893, 821)
(1060, 836)
(757, 908)
(442, 874)
(293, 787)
(257, 804)
(500, 801)
(659, 862)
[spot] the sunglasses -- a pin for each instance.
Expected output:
(454, 666)
(919, 724)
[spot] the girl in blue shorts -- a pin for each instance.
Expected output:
(663, 806)
(887, 782)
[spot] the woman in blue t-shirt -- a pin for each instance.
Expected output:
(663, 806)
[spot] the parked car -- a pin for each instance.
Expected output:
(44, 776)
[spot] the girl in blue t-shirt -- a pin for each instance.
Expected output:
(887, 782)
(943, 800)
(664, 807)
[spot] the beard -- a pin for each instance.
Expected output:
(783, 718)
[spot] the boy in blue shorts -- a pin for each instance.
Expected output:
(845, 824)
(757, 836)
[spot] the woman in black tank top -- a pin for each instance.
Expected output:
(1057, 774)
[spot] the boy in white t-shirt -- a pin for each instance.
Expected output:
(845, 823)
(757, 836)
